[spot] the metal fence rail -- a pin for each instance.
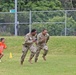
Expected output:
(59, 22)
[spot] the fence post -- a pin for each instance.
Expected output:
(30, 21)
(15, 17)
(65, 22)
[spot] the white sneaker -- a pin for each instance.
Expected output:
(0, 60)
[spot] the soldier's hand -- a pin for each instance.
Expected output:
(34, 40)
(43, 39)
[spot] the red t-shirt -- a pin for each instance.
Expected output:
(2, 47)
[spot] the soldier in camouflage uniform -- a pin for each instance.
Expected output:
(30, 39)
(42, 39)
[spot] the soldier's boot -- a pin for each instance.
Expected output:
(30, 61)
(37, 54)
(21, 62)
(36, 60)
(44, 58)
(22, 58)
(45, 53)
(31, 56)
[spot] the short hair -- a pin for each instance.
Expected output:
(33, 30)
(1, 39)
(44, 29)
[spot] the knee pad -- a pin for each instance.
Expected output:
(45, 48)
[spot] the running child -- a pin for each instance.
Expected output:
(2, 47)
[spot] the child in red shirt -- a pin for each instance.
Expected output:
(2, 47)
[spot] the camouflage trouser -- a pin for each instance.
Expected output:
(25, 50)
(45, 48)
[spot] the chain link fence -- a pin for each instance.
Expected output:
(58, 22)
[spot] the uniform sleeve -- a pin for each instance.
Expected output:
(28, 39)
(36, 37)
(48, 36)
(39, 38)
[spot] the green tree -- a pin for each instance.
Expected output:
(24, 5)
(68, 4)
(57, 29)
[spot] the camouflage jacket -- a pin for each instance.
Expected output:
(29, 39)
(42, 39)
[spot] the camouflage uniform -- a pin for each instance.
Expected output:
(41, 45)
(28, 45)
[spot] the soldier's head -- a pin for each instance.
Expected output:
(44, 31)
(33, 32)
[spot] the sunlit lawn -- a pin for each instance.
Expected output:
(61, 58)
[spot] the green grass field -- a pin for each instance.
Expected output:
(61, 58)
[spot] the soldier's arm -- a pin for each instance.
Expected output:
(28, 40)
(47, 38)
(40, 39)
(36, 39)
